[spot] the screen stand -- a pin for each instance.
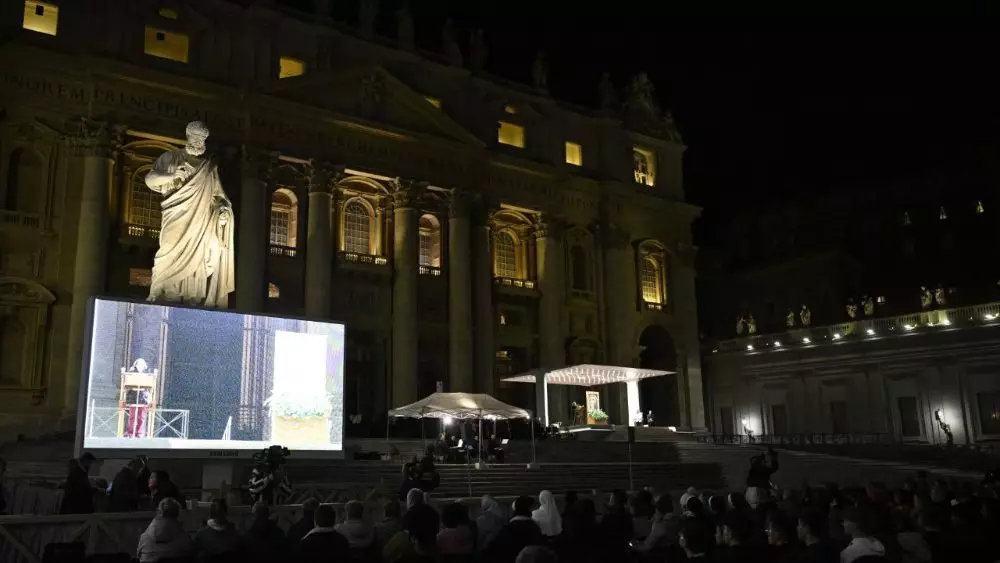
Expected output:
(217, 479)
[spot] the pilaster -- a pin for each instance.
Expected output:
(460, 372)
(253, 242)
(319, 239)
(482, 285)
(552, 341)
(406, 253)
(621, 349)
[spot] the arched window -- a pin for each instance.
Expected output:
(24, 182)
(357, 228)
(284, 218)
(144, 204)
(579, 268)
(430, 241)
(652, 280)
(505, 259)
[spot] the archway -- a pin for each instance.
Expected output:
(659, 394)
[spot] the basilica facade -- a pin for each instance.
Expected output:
(463, 228)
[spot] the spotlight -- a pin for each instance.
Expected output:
(945, 322)
(836, 336)
(806, 340)
(870, 332)
(909, 327)
(749, 347)
(447, 421)
(746, 422)
(990, 316)
(777, 344)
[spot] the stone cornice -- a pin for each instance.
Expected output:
(549, 226)
(323, 176)
(406, 193)
(257, 163)
(96, 138)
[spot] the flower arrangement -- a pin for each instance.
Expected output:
(289, 404)
(598, 415)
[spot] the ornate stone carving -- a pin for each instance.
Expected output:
(642, 112)
(407, 193)
(323, 176)
(549, 227)
(372, 90)
(460, 203)
(21, 291)
(258, 164)
(606, 93)
(96, 138)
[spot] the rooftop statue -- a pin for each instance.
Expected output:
(194, 263)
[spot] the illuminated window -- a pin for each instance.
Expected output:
(942, 214)
(41, 17)
(430, 242)
(140, 277)
(509, 109)
(979, 208)
(510, 134)
(289, 67)
(505, 261)
(168, 13)
(166, 44)
(357, 228)
(574, 154)
(284, 218)
(651, 281)
(644, 166)
(273, 291)
(433, 101)
(880, 300)
(144, 204)
(503, 319)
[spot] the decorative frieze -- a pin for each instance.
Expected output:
(96, 138)
(549, 227)
(323, 176)
(406, 194)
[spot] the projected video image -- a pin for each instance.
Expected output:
(175, 378)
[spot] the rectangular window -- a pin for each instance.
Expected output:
(166, 44)
(40, 17)
(779, 420)
(574, 154)
(838, 417)
(726, 416)
(140, 277)
(280, 221)
(426, 249)
(644, 166)
(433, 101)
(989, 412)
(510, 134)
(289, 67)
(909, 417)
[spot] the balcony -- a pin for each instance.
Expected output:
(363, 262)
(19, 220)
(430, 271)
(651, 306)
(866, 329)
(515, 286)
(141, 232)
(285, 251)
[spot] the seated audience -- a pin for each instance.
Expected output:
(323, 544)
(642, 510)
(218, 538)
(664, 528)
(812, 531)
(536, 554)
(489, 523)
(299, 529)
(615, 528)
(359, 533)
(267, 541)
(781, 538)
(735, 539)
(161, 487)
(391, 524)
(456, 536)
(547, 515)
(165, 537)
(517, 534)
(859, 525)
(695, 538)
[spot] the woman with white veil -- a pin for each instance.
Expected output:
(547, 515)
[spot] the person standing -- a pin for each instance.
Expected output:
(124, 495)
(78, 495)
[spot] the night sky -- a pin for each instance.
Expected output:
(766, 112)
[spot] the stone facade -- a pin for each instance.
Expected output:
(433, 209)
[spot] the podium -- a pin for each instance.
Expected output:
(137, 382)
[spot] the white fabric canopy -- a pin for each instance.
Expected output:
(459, 405)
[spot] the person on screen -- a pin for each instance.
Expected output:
(78, 495)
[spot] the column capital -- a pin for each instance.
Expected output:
(96, 138)
(548, 227)
(257, 163)
(460, 204)
(613, 236)
(406, 193)
(323, 176)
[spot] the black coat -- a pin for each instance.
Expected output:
(512, 538)
(324, 547)
(124, 493)
(78, 497)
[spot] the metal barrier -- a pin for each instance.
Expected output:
(103, 422)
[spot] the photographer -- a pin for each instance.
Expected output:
(268, 482)
(759, 476)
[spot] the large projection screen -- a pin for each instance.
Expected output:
(187, 382)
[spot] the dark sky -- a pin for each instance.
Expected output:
(766, 112)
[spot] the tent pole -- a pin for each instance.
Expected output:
(532, 422)
(480, 438)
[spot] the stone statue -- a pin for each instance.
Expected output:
(805, 316)
(540, 72)
(194, 263)
(852, 308)
(926, 300)
(477, 49)
(940, 296)
(741, 325)
(404, 27)
(607, 93)
(368, 11)
(869, 305)
(451, 49)
(751, 325)
(790, 319)
(640, 93)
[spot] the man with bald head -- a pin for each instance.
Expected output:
(194, 263)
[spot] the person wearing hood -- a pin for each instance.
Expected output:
(165, 537)
(218, 537)
(490, 522)
(859, 526)
(359, 533)
(547, 515)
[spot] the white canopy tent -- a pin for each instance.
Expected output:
(586, 375)
(464, 406)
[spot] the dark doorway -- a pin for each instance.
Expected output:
(659, 394)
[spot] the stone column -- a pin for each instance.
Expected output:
(96, 144)
(459, 295)
(319, 241)
(617, 307)
(690, 390)
(405, 259)
(552, 345)
(482, 283)
(253, 224)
